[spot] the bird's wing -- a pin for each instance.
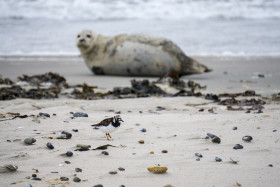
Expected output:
(104, 122)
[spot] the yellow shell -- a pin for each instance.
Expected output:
(157, 169)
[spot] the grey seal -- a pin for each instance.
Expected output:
(134, 55)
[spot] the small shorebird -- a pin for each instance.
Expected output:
(109, 125)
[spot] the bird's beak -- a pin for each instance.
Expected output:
(121, 120)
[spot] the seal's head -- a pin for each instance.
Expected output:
(85, 40)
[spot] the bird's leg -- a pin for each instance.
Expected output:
(109, 135)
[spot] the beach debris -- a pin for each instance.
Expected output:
(258, 112)
(198, 155)
(215, 139)
(164, 151)
(64, 179)
(29, 141)
(234, 128)
(247, 138)
(212, 110)
(233, 161)
(157, 169)
(78, 170)
(276, 97)
(50, 146)
(8, 168)
(238, 146)
(217, 159)
(44, 115)
(113, 172)
(34, 175)
(36, 179)
(152, 152)
(76, 179)
(103, 147)
(65, 135)
(243, 102)
(143, 130)
(212, 97)
(79, 114)
(105, 153)
(121, 169)
(82, 147)
(141, 141)
(98, 185)
(238, 184)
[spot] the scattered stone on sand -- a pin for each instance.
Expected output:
(76, 179)
(78, 170)
(34, 175)
(29, 141)
(164, 151)
(143, 130)
(67, 162)
(141, 141)
(247, 138)
(157, 169)
(215, 139)
(198, 155)
(44, 115)
(50, 146)
(64, 179)
(152, 152)
(65, 135)
(69, 153)
(79, 114)
(238, 146)
(217, 159)
(105, 153)
(274, 131)
(121, 169)
(234, 128)
(98, 185)
(103, 147)
(83, 147)
(201, 110)
(113, 172)
(270, 165)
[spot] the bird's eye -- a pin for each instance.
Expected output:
(78, 36)
(88, 35)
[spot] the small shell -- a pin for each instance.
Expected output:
(29, 141)
(157, 169)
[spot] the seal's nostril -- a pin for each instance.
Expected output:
(82, 40)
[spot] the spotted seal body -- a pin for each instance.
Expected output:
(134, 55)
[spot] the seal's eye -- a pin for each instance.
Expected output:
(88, 35)
(78, 36)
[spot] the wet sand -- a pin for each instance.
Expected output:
(178, 128)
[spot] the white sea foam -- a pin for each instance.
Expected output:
(140, 9)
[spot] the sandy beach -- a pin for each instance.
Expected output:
(175, 124)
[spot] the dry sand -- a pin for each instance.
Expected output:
(179, 129)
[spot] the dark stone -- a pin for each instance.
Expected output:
(143, 130)
(98, 185)
(76, 179)
(121, 169)
(34, 175)
(97, 70)
(238, 146)
(105, 153)
(50, 146)
(261, 75)
(234, 128)
(198, 155)
(64, 179)
(44, 114)
(69, 153)
(36, 179)
(201, 110)
(67, 162)
(270, 165)
(272, 131)
(216, 140)
(68, 134)
(75, 130)
(247, 138)
(78, 170)
(218, 159)
(198, 159)
(79, 114)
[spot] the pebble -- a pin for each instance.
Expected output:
(141, 141)
(121, 169)
(270, 165)
(164, 151)
(234, 128)
(50, 146)
(75, 130)
(121, 185)
(105, 153)
(64, 179)
(76, 179)
(78, 170)
(36, 179)
(274, 131)
(261, 75)
(28, 185)
(34, 175)
(198, 155)
(152, 152)
(238, 146)
(247, 138)
(29, 141)
(143, 130)
(67, 134)
(67, 162)
(98, 185)
(198, 159)
(69, 153)
(44, 114)
(218, 159)
(113, 172)
(79, 114)
(201, 110)
(215, 139)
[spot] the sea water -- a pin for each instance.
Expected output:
(199, 27)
